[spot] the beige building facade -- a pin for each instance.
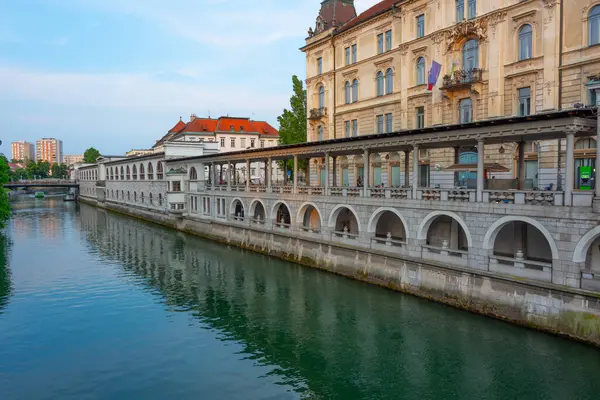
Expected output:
(499, 58)
(22, 151)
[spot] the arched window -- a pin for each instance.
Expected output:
(142, 197)
(150, 198)
(380, 85)
(134, 197)
(420, 71)
(193, 174)
(389, 81)
(128, 196)
(347, 92)
(585, 143)
(142, 173)
(594, 26)
(321, 96)
(134, 173)
(160, 199)
(355, 90)
(159, 171)
(471, 55)
(128, 173)
(122, 174)
(150, 172)
(525, 42)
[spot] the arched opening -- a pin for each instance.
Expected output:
(446, 233)
(520, 240)
(525, 42)
(150, 172)
(135, 197)
(142, 173)
(467, 179)
(259, 214)
(310, 217)
(134, 173)
(142, 197)
(238, 210)
(122, 174)
(128, 173)
(128, 195)
(594, 26)
(345, 223)
(150, 198)
(159, 171)
(283, 218)
(420, 74)
(389, 81)
(389, 229)
(193, 174)
(160, 199)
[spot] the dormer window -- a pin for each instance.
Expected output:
(231, 127)
(242, 128)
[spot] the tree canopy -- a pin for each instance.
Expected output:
(292, 123)
(91, 155)
(4, 201)
(60, 171)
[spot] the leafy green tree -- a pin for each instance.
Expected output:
(4, 201)
(59, 171)
(292, 123)
(91, 155)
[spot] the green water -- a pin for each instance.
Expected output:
(95, 305)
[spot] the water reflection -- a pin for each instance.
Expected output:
(5, 274)
(330, 337)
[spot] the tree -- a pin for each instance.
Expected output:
(292, 123)
(60, 171)
(4, 201)
(91, 155)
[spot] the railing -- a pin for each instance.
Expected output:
(257, 221)
(238, 188)
(316, 191)
(310, 229)
(317, 113)
(388, 241)
(530, 197)
(281, 225)
(345, 235)
(284, 189)
(336, 191)
(504, 196)
(446, 251)
(258, 189)
(239, 218)
(462, 77)
(460, 195)
(429, 194)
(521, 267)
(101, 183)
(400, 193)
(377, 193)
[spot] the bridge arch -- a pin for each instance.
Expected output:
(281, 210)
(258, 210)
(393, 222)
(489, 240)
(310, 217)
(237, 208)
(424, 227)
(583, 246)
(344, 215)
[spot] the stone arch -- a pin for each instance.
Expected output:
(258, 209)
(277, 211)
(429, 219)
(375, 217)
(302, 215)
(581, 250)
(128, 173)
(142, 172)
(490, 236)
(193, 174)
(134, 173)
(237, 205)
(335, 214)
(150, 172)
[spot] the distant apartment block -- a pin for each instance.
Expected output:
(22, 150)
(138, 152)
(49, 149)
(71, 159)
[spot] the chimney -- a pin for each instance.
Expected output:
(192, 117)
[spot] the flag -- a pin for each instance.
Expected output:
(434, 74)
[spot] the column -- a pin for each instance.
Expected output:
(406, 167)
(521, 166)
(268, 174)
(366, 171)
(247, 175)
(326, 174)
(229, 175)
(334, 177)
(480, 170)
(220, 173)
(295, 174)
(415, 184)
(211, 173)
(597, 166)
(285, 174)
(570, 170)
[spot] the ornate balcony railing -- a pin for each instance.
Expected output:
(317, 113)
(462, 78)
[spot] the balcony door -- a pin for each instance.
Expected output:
(470, 57)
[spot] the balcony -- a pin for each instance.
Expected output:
(462, 79)
(317, 113)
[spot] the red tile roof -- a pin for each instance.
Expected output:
(264, 128)
(344, 12)
(377, 9)
(229, 124)
(179, 126)
(200, 125)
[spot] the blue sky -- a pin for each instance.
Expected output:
(117, 74)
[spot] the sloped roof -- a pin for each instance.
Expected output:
(232, 124)
(199, 125)
(179, 126)
(377, 9)
(264, 128)
(343, 11)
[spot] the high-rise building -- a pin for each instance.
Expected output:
(49, 149)
(22, 150)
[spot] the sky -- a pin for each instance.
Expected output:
(118, 74)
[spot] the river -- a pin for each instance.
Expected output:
(95, 305)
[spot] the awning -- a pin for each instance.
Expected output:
(493, 167)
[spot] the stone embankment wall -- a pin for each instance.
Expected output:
(556, 309)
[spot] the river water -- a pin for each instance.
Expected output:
(95, 305)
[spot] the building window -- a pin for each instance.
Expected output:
(252, 141)
(466, 111)
(321, 97)
(347, 93)
(262, 144)
(232, 143)
(388, 40)
(470, 58)
(355, 90)
(347, 53)
(176, 186)
(388, 122)
(380, 43)
(524, 101)
(420, 26)
(421, 71)
(160, 199)
(243, 143)
(380, 124)
(389, 81)
(420, 121)
(460, 10)
(319, 66)
(380, 83)
(320, 133)
(354, 128)
(525, 42)
(222, 142)
(594, 26)
(347, 128)
(472, 9)
(354, 55)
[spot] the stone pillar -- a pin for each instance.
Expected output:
(269, 174)
(326, 174)
(570, 169)
(220, 173)
(480, 170)
(295, 174)
(596, 201)
(247, 175)
(334, 177)
(285, 175)
(211, 173)
(366, 171)
(415, 170)
(229, 175)
(406, 168)
(521, 166)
